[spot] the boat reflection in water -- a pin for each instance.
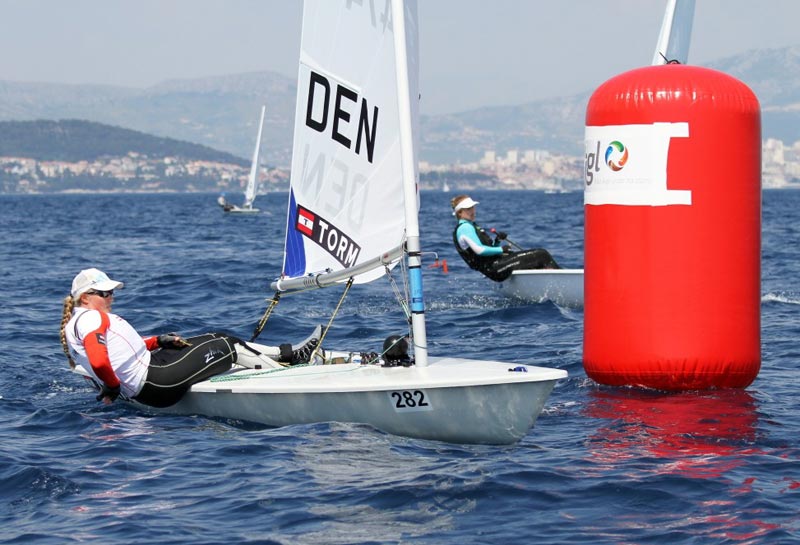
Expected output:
(701, 439)
(697, 434)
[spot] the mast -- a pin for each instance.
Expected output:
(409, 187)
(250, 190)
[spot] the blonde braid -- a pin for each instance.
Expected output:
(66, 315)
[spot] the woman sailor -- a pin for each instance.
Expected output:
(157, 370)
(491, 257)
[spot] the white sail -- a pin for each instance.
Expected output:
(346, 202)
(676, 33)
(252, 180)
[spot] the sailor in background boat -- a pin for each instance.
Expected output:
(490, 256)
(225, 205)
(157, 370)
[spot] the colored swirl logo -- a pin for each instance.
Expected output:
(616, 155)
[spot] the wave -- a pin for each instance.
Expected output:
(789, 298)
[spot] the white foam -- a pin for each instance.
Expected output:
(782, 297)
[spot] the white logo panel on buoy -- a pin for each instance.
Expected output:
(627, 165)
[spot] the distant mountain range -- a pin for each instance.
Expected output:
(77, 140)
(222, 112)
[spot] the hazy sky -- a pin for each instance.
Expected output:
(473, 52)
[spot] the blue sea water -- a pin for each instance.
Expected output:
(602, 465)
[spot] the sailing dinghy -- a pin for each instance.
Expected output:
(251, 189)
(353, 216)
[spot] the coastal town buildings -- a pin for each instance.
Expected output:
(496, 169)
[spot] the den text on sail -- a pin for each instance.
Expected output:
(334, 111)
(341, 117)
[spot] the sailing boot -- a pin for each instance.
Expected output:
(294, 354)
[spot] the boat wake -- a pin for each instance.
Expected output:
(789, 298)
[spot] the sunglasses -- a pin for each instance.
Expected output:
(103, 294)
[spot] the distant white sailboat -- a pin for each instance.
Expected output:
(564, 287)
(353, 216)
(251, 189)
(445, 187)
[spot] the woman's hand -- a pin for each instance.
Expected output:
(171, 340)
(108, 395)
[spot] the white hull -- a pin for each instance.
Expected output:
(564, 287)
(453, 400)
(242, 210)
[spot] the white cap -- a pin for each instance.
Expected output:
(466, 203)
(92, 279)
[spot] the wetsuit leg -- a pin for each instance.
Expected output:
(173, 371)
(538, 258)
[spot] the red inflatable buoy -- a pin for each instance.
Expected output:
(673, 230)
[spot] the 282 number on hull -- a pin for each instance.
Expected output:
(410, 400)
